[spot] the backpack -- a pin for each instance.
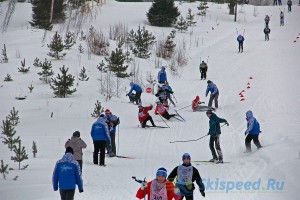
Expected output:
(240, 38)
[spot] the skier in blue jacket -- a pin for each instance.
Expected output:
(252, 132)
(213, 89)
(162, 75)
(100, 136)
(138, 92)
(66, 175)
(240, 40)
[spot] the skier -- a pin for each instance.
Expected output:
(162, 94)
(196, 105)
(100, 136)
(162, 75)
(252, 132)
(267, 31)
(159, 188)
(66, 175)
(215, 132)
(138, 92)
(112, 121)
(267, 20)
(279, 2)
(169, 90)
(203, 69)
(144, 115)
(77, 144)
(240, 40)
(275, 2)
(289, 3)
(281, 18)
(160, 109)
(186, 174)
(213, 89)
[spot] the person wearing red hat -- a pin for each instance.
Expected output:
(196, 105)
(144, 115)
(159, 188)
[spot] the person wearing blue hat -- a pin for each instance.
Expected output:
(138, 92)
(186, 174)
(252, 132)
(159, 188)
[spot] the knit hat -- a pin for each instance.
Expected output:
(69, 150)
(107, 111)
(76, 134)
(162, 172)
(209, 112)
(197, 97)
(186, 155)
(209, 81)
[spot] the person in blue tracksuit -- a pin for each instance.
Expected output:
(100, 136)
(213, 89)
(138, 92)
(252, 132)
(240, 40)
(112, 121)
(162, 75)
(66, 175)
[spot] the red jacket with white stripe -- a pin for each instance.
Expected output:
(143, 113)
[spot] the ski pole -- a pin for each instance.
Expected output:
(237, 33)
(207, 60)
(174, 98)
(140, 181)
(189, 140)
(164, 120)
(244, 32)
(184, 107)
(118, 139)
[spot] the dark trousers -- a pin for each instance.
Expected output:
(266, 36)
(290, 8)
(145, 122)
(67, 194)
(248, 140)
(215, 141)
(113, 143)
(275, 2)
(99, 146)
(138, 98)
(281, 21)
(167, 116)
(80, 164)
(203, 74)
(212, 98)
(187, 197)
(241, 47)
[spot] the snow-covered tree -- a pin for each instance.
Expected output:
(8, 78)
(56, 46)
(23, 68)
(82, 75)
(102, 67)
(181, 24)
(14, 117)
(46, 72)
(20, 154)
(116, 63)
(69, 40)
(80, 48)
(4, 55)
(190, 18)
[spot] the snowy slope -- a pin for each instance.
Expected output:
(273, 96)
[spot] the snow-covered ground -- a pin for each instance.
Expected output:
(273, 97)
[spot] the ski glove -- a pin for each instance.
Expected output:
(143, 185)
(126, 95)
(177, 191)
(227, 123)
(202, 193)
(80, 191)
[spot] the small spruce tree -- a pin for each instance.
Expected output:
(23, 68)
(8, 78)
(82, 75)
(20, 154)
(116, 63)
(181, 24)
(69, 40)
(30, 88)
(14, 117)
(97, 110)
(80, 48)
(46, 72)
(56, 46)
(9, 132)
(202, 8)
(101, 67)
(34, 149)
(37, 62)
(3, 169)
(190, 18)
(62, 83)
(169, 45)
(4, 55)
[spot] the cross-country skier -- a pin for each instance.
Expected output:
(186, 174)
(162, 75)
(215, 132)
(267, 20)
(196, 105)
(203, 69)
(169, 91)
(112, 121)
(289, 3)
(214, 93)
(280, 2)
(240, 40)
(267, 31)
(159, 188)
(281, 18)
(252, 132)
(162, 94)
(66, 175)
(160, 109)
(138, 92)
(77, 144)
(144, 115)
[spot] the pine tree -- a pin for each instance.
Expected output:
(23, 69)
(169, 45)
(97, 110)
(101, 67)
(4, 55)
(56, 46)
(9, 132)
(20, 154)
(14, 117)
(181, 24)
(61, 85)
(46, 72)
(116, 63)
(163, 13)
(82, 75)
(80, 48)
(41, 14)
(30, 88)
(34, 149)
(202, 8)
(69, 40)
(59, 15)
(190, 18)
(4, 169)
(8, 78)
(142, 40)
(37, 63)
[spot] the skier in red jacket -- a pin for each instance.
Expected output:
(144, 115)
(159, 188)
(160, 109)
